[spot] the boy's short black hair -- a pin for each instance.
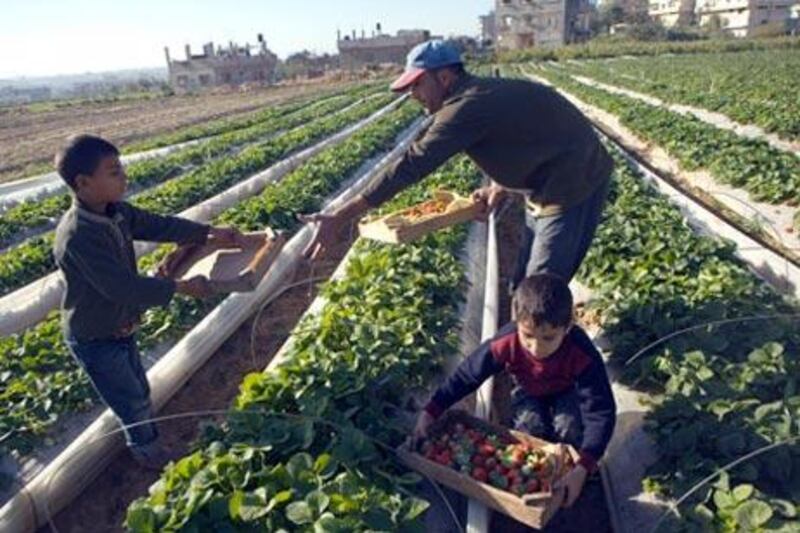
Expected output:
(81, 155)
(543, 298)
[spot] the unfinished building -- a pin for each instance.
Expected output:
(546, 23)
(215, 67)
(358, 52)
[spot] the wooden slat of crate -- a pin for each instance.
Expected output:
(229, 270)
(534, 510)
(387, 228)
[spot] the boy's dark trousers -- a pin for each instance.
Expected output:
(115, 369)
(555, 418)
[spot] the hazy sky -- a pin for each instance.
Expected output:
(46, 37)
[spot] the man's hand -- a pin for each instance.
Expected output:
(197, 287)
(573, 482)
(226, 237)
(424, 421)
(489, 198)
(329, 226)
(326, 231)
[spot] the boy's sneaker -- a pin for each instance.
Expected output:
(151, 456)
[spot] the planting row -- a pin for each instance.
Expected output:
(307, 445)
(35, 214)
(598, 49)
(768, 174)
(33, 258)
(718, 391)
(39, 381)
(225, 125)
(752, 87)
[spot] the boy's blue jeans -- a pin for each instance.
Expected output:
(555, 418)
(116, 371)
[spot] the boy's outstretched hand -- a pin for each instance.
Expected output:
(226, 237)
(197, 287)
(424, 421)
(573, 482)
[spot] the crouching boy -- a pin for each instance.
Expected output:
(561, 390)
(105, 295)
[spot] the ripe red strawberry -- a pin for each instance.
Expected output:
(486, 449)
(480, 474)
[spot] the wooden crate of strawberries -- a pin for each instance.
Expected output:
(445, 209)
(508, 471)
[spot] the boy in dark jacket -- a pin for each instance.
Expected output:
(561, 392)
(105, 295)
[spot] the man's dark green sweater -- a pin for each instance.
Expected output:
(104, 291)
(524, 135)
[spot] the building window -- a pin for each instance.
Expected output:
(205, 80)
(182, 81)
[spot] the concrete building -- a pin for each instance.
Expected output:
(357, 52)
(488, 28)
(234, 65)
(743, 18)
(671, 13)
(546, 23)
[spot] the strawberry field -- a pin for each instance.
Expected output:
(719, 391)
(40, 381)
(751, 87)
(768, 174)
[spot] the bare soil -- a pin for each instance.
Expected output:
(29, 140)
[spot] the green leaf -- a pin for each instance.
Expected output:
(318, 501)
(785, 508)
(723, 499)
(248, 506)
(742, 492)
(753, 514)
(298, 463)
(299, 513)
(414, 507)
(328, 523)
(141, 520)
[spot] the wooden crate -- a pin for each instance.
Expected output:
(534, 510)
(397, 227)
(228, 269)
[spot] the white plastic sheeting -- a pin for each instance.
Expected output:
(49, 184)
(478, 515)
(30, 304)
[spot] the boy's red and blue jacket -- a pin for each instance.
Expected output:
(576, 364)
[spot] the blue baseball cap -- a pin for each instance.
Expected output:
(429, 55)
